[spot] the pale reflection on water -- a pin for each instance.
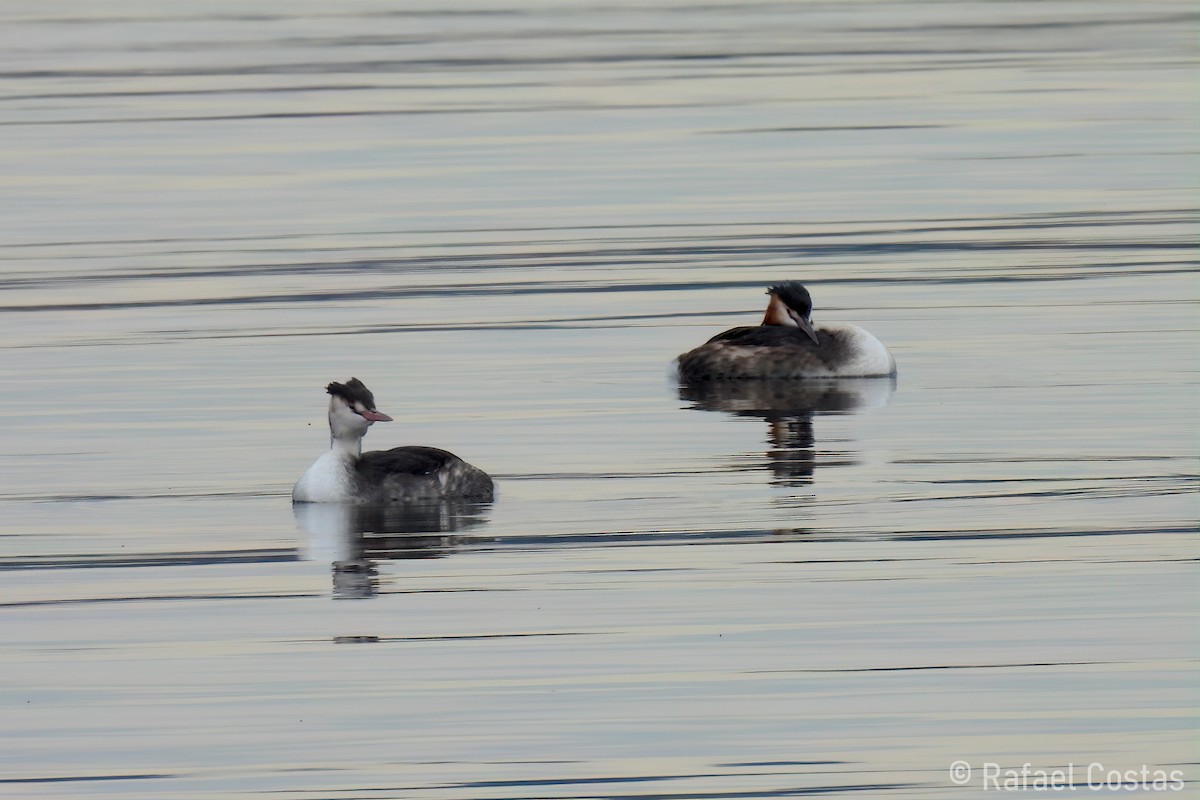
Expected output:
(507, 221)
(351, 539)
(788, 408)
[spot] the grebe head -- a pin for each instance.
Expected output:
(790, 306)
(352, 409)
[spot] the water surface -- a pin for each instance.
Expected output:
(507, 220)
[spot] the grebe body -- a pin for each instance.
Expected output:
(401, 475)
(787, 346)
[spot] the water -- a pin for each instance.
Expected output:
(507, 220)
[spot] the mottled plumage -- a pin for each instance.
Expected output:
(414, 472)
(787, 346)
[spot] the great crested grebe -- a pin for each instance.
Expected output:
(786, 345)
(403, 474)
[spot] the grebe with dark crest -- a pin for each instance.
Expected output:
(787, 345)
(401, 475)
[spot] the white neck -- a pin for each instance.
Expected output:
(329, 479)
(346, 447)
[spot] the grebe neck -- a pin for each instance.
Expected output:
(777, 314)
(348, 448)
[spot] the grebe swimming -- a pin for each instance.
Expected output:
(786, 345)
(399, 475)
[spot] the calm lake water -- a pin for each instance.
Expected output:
(507, 219)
